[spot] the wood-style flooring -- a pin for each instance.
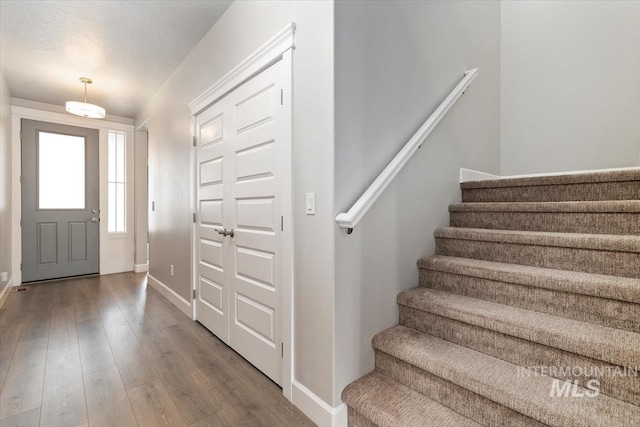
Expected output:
(111, 351)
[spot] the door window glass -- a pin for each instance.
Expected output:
(61, 171)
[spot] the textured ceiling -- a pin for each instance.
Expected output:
(128, 48)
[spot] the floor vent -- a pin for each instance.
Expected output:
(21, 289)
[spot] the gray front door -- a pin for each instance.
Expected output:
(60, 201)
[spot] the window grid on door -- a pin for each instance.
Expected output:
(117, 182)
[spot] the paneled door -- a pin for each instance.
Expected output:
(60, 201)
(238, 229)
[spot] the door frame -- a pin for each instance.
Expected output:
(107, 240)
(63, 217)
(278, 49)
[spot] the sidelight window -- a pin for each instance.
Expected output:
(117, 182)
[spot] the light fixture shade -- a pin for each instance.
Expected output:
(85, 110)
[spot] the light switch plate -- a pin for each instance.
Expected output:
(310, 203)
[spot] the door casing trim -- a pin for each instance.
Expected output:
(17, 114)
(277, 49)
(260, 59)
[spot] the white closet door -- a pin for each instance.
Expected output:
(211, 255)
(239, 188)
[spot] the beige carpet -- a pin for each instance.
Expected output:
(527, 315)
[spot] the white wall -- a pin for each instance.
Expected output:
(243, 28)
(570, 85)
(395, 62)
(5, 180)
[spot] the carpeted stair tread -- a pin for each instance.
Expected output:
(610, 345)
(599, 217)
(503, 382)
(542, 358)
(387, 403)
(540, 272)
(615, 255)
(599, 242)
(605, 300)
(581, 178)
(607, 206)
(599, 285)
(615, 185)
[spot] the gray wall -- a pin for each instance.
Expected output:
(395, 62)
(243, 28)
(5, 179)
(570, 85)
(141, 203)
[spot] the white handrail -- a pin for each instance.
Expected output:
(349, 220)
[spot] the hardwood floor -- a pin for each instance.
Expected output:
(110, 351)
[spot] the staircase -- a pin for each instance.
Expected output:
(528, 314)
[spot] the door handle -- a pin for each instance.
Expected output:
(95, 219)
(226, 232)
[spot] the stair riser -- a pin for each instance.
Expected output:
(561, 222)
(624, 264)
(377, 399)
(461, 400)
(627, 190)
(518, 351)
(603, 311)
(355, 419)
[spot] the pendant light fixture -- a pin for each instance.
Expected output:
(83, 108)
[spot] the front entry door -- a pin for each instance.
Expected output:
(60, 201)
(239, 177)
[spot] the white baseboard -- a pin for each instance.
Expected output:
(317, 409)
(140, 268)
(5, 290)
(171, 295)
(473, 175)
